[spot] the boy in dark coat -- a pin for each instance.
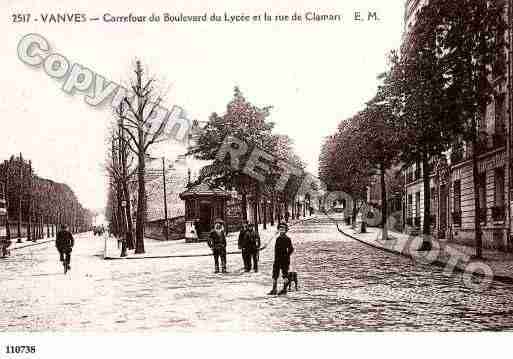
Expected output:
(217, 241)
(282, 250)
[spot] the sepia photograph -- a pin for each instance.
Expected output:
(302, 174)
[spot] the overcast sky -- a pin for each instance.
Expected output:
(314, 74)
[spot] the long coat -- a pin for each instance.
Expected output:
(217, 240)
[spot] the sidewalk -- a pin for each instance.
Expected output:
(496, 265)
(180, 249)
(15, 245)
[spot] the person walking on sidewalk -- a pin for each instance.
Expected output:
(282, 250)
(242, 244)
(252, 248)
(64, 242)
(217, 242)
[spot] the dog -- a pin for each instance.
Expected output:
(292, 277)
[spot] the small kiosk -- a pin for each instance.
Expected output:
(203, 205)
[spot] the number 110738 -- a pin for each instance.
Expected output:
(20, 349)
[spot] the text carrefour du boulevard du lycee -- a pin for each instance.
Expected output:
(222, 17)
(308, 16)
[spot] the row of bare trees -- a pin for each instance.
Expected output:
(34, 203)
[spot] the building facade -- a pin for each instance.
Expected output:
(451, 182)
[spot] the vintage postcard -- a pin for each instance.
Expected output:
(173, 171)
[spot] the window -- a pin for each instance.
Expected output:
(499, 187)
(498, 210)
(457, 196)
(432, 202)
(418, 172)
(417, 204)
(456, 214)
(499, 113)
(410, 206)
(482, 197)
(499, 138)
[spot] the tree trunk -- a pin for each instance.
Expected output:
(141, 202)
(244, 208)
(37, 234)
(19, 218)
(29, 225)
(7, 224)
(477, 205)
(265, 213)
(273, 203)
(426, 227)
(256, 208)
(130, 225)
(120, 211)
(384, 207)
(355, 213)
(113, 221)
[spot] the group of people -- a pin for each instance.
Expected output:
(249, 243)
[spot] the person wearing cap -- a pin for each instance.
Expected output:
(282, 250)
(217, 241)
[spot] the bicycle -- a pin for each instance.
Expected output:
(65, 263)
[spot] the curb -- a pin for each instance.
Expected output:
(37, 243)
(32, 244)
(499, 278)
(199, 255)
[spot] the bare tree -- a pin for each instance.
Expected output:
(120, 170)
(138, 122)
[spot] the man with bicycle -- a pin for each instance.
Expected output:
(64, 243)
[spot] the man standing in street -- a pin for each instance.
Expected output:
(242, 244)
(217, 241)
(282, 251)
(64, 242)
(252, 247)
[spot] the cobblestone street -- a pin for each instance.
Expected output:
(344, 286)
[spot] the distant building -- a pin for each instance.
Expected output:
(193, 207)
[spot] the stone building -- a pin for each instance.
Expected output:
(452, 189)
